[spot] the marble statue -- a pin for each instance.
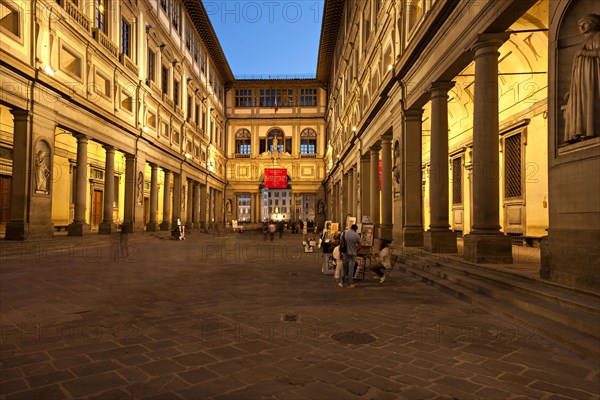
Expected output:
(582, 110)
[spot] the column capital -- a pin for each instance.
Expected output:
(374, 149)
(166, 170)
(130, 156)
(19, 114)
(413, 114)
(81, 137)
(440, 88)
(488, 42)
(386, 141)
(108, 148)
(153, 165)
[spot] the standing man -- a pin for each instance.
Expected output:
(352, 240)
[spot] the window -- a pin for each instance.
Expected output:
(101, 16)
(176, 15)
(243, 98)
(308, 141)
(151, 120)
(188, 36)
(9, 18)
(164, 78)
(151, 66)
(163, 5)
(513, 183)
(197, 112)
(243, 142)
(267, 98)
(308, 97)
(457, 180)
(125, 37)
(176, 92)
(189, 108)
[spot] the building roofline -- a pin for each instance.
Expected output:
(332, 17)
(200, 19)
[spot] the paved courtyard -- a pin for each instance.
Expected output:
(237, 317)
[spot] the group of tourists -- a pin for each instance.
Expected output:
(345, 248)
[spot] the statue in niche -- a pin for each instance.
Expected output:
(397, 168)
(582, 108)
(42, 174)
(228, 206)
(140, 188)
(275, 148)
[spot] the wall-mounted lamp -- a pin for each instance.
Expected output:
(148, 27)
(354, 129)
(189, 78)
(187, 155)
(174, 62)
(390, 67)
(162, 46)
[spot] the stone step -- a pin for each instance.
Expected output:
(530, 301)
(559, 294)
(565, 335)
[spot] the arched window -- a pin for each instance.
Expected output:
(308, 143)
(242, 143)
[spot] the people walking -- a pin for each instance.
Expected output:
(349, 243)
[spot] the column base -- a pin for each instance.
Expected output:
(78, 229)
(387, 232)
(26, 231)
(152, 227)
(488, 249)
(106, 228)
(127, 227)
(439, 242)
(412, 237)
(165, 226)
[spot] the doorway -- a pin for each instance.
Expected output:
(96, 209)
(5, 182)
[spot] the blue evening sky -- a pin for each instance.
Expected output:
(266, 37)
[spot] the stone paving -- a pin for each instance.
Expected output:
(236, 317)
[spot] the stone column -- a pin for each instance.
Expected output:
(196, 206)
(374, 188)
(130, 193)
(485, 243)
(345, 194)
(176, 200)
(78, 227)
(439, 238)
(166, 222)
(203, 196)
(189, 206)
(412, 231)
(153, 223)
(387, 222)
(365, 186)
(18, 226)
(351, 193)
(107, 225)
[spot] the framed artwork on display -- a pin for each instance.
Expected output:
(366, 236)
(350, 221)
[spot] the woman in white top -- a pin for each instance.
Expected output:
(384, 261)
(338, 259)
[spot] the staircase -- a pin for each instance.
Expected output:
(568, 316)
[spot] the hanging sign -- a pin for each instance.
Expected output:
(275, 178)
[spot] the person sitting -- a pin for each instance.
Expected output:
(384, 261)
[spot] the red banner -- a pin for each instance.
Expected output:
(275, 178)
